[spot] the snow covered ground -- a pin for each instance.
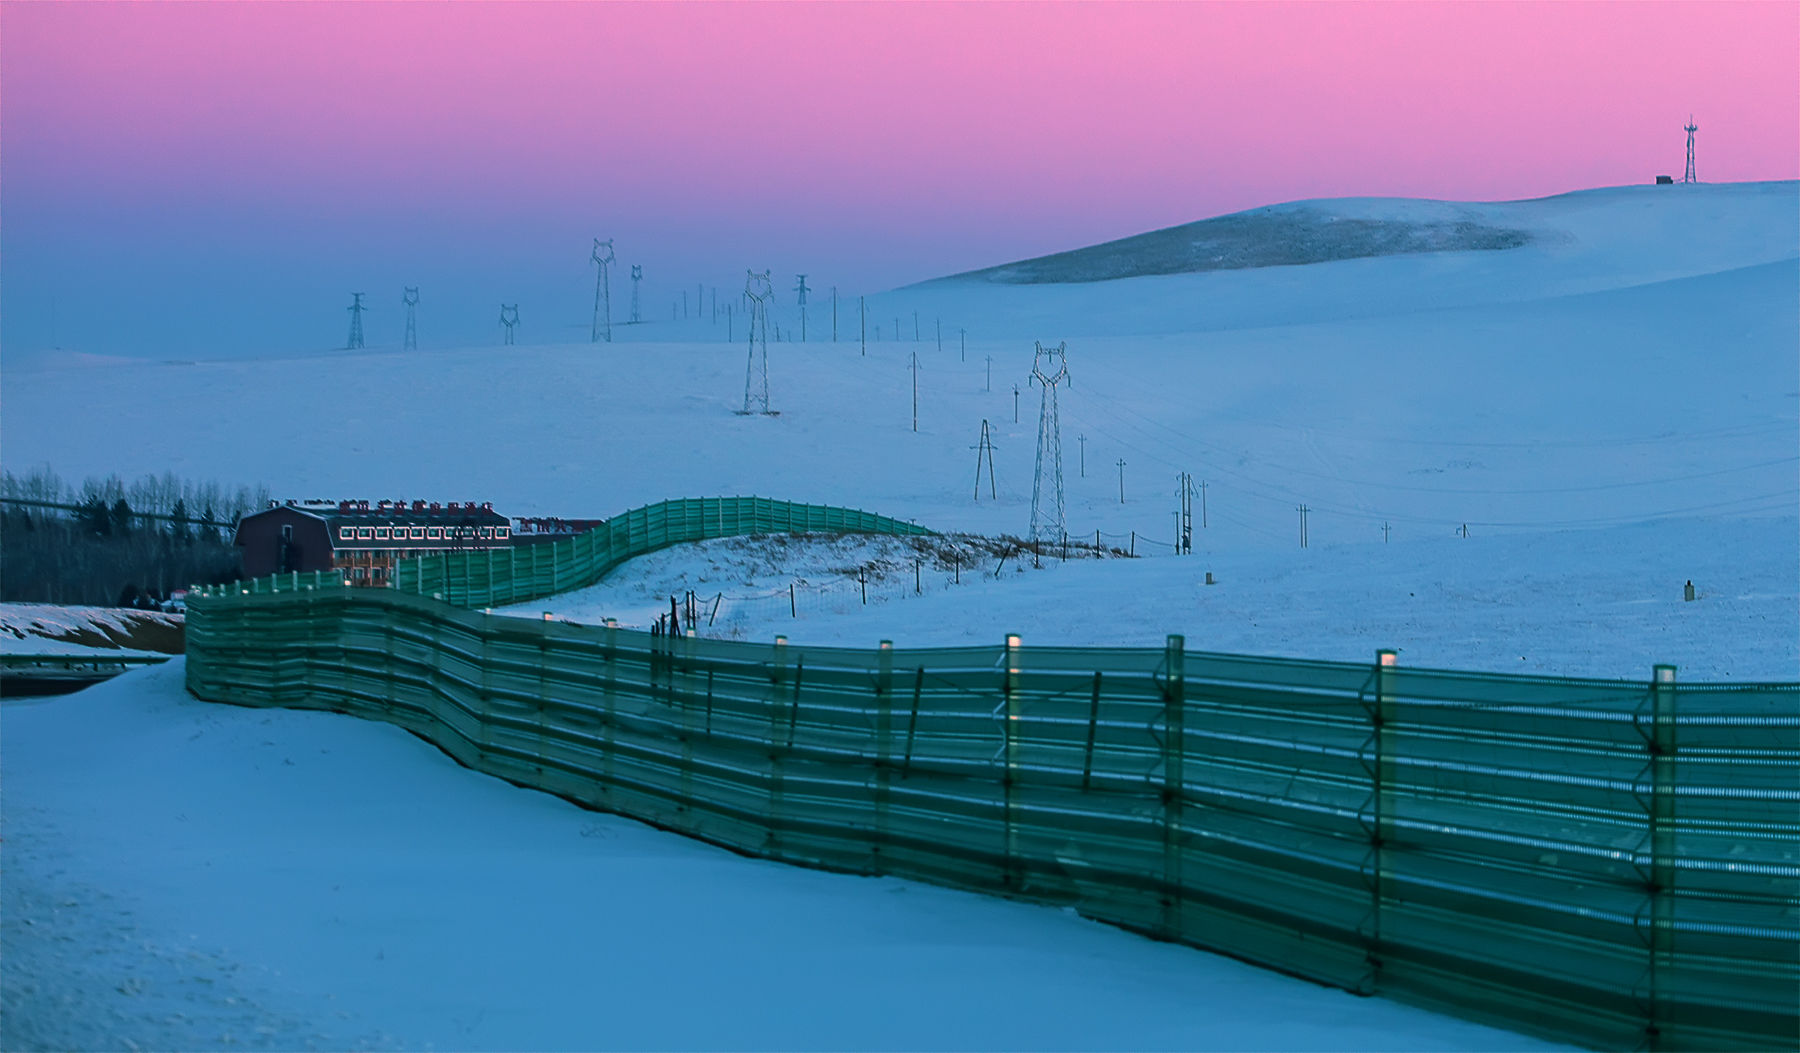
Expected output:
(183, 875)
(48, 629)
(1611, 409)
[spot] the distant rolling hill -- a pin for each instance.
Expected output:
(1274, 236)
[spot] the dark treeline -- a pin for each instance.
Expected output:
(106, 549)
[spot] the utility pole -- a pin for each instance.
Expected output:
(1121, 480)
(1303, 510)
(802, 289)
(509, 317)
(1384, 533)
(356, 309)
(1184, 515)
(1082, 439)
(940, 335)
(637, 275)
(915, 327)
(1015, 403)
(915, 379)
(989, 386)
(862, 323)
(834, 314)
(984, 448)
(896, 330)
(1203, 504)
(963, 334)
(730, 338)
(410, 297)
(603, 257)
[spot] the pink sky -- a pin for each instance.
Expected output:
(931, 136)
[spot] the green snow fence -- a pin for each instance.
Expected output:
(497, 577)
(1604, 862)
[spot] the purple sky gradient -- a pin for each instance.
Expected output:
(161, 156)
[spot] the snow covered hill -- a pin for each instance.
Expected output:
(1633, 364)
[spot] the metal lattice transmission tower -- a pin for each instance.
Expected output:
(603, 256)
(637, 275)
(356, 309)
(758, 290)
(509, 317)
(410, 297)
(1690, 127)
(1049, 367)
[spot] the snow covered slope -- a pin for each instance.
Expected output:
(1633, 364)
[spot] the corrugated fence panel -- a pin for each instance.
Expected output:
(1612, 863)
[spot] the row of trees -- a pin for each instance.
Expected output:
(113, 543)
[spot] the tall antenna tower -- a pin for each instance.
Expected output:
(759, 290)
(356, 309)
(803, 290)
(603, 256)
(509, 317)
(1049, 367)
(1690, 127)
(984, 450)
(637, 275)
(410, 297)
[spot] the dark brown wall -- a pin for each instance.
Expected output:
(260, 544)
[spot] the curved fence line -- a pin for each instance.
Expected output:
(497, 577)
(1607, 862)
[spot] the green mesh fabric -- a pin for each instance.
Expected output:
(1611, 863)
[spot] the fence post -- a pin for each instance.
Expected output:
(884, 726)
(777, 676)
(1174, 706)
(1662, 852)
(609, 702)
(1379, 870)
(1013, 877)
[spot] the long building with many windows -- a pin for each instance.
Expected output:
(363, 539)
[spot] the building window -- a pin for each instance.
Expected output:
(500, 532)
(360, 574)
(381, 533)
(287, 532)
(346, 533)
(418, 533)
(487, 532)
(376, 574)
(436, 533)
(365, 533)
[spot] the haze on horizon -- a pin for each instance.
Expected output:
(214, 180)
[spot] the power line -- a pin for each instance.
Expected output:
(1049, 367)
(410, 297)
(759, 290)
(603, 258)
(356, 309)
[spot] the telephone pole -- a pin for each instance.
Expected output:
(834, 314)
(1082, 439)
(603, 258)
(862, 323)
(410, 297)
(915, 379)
(1303, 510)
(1184, 516)
(1203, 504)
(1121, 480)
(1384, 533)
(637, 275)
(802, 289)
(963, 335)
(356, 309)
(1015, 403)
(989, 385)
